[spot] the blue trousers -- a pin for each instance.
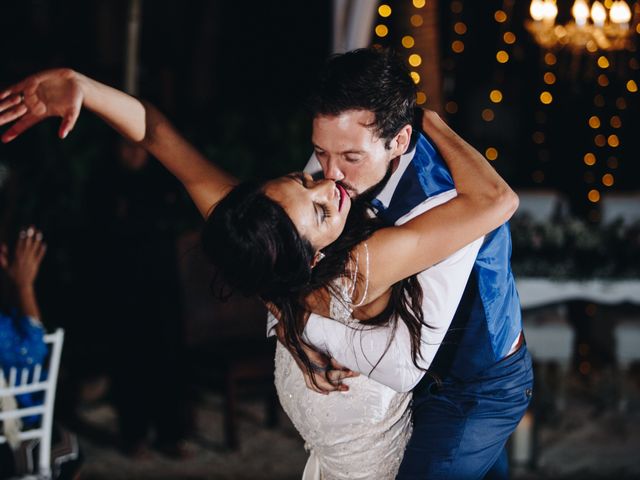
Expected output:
(460, 428)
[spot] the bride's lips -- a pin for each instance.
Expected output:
(343, 195)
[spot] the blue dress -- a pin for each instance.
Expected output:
(22, 346)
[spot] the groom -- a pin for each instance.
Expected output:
(479, 379)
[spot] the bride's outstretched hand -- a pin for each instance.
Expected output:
(51, 93)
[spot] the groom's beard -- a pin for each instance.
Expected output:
(371, 193)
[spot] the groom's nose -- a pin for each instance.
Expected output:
(333, 172)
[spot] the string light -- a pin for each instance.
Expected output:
(457, 46)
(603, 80)
(460, 28)
(594, 122)
(632, 86)
(613, 141)
(502, 56)
(593, 196)
(381, 31)
(415, 60)
(408, 41)
(603, 62)
(384, 11)
(600, 140)
(615, 121)
(550, 58)
(419, 3)
(488, 115)
(546, 98)
(415, 76)
(549, 78)
(421, 98)
(500, 16)
(417, 20)
(607, 180)
(495, 96)
(491, 153)
(509, 38)
(451, 107)
(589, 159)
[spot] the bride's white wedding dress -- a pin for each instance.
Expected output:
(359, 434)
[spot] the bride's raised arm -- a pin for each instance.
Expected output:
(63, 93)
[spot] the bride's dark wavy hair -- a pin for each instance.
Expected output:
(257, 250)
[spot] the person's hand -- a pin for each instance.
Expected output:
(29, 252)
(327, 374)
(51, 93)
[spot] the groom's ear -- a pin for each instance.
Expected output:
(401, 141)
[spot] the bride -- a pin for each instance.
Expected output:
(268, 239)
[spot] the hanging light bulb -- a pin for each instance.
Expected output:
(550, 10)
(580, 11)
(537, 10)
(620, 14)
(598, 14)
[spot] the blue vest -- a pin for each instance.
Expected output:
(488, 319)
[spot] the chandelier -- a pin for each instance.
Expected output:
(594, 27)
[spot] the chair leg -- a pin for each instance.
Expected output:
(230, 431)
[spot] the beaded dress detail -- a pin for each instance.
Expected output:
(359, 434)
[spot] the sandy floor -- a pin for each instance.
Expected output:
(583, 441)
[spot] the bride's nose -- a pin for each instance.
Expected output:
(325, 187)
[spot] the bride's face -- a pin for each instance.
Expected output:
(318, 208)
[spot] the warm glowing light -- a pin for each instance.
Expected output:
(495, 96)
(549, 78)
(536, 9)
(460, 28)
(632, 86)
(592, 47)
(500, 16)
(415, 60)
(415, 76)
(384, 11)
(491, 153)
(538, 138)
(502, 56)
(550, 58)
(613, 141)
(589, 159)
(546, 97)
(457, 46)
(603, 62)
(419, 3)
(594, 122)
(607, 180)
(620, 13)
(550, 10)
(600, 140)
(603, 80)
(421, 98)
(509, 38)
(594, 196)
(598, 14)
(451, 107)
(621, 103)
(608, 4)
(615, 121)
(408, 41)
(417, 20)
(580, 12)
(488, 115)
(381, 30)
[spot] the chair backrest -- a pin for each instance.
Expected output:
(32, 380)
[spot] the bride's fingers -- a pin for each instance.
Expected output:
(13, 113)
(9, 102)
(20, 126)
(68, 122)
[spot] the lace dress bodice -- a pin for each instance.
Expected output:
(359, 434)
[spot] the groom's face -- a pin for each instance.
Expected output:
(351, 153)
